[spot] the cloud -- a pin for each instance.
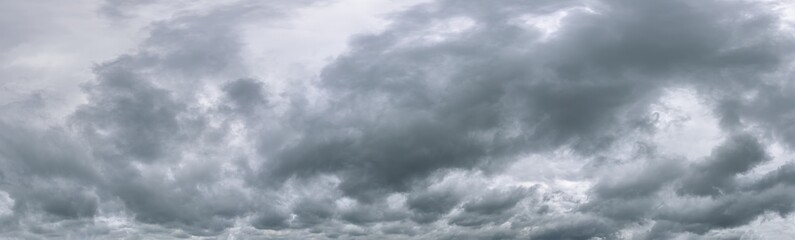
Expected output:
(246, 95)
(576, 227)
(409, 110)
(138, 119)
(409, 132)
(493, 206)
(738, 155)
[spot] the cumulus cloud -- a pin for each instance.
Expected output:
(452, 121)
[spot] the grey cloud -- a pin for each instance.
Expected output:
(246, 95)
(121, 8)
(69, 203)
(494, 206)
(271, 219)
(399, 229)
(198, 46)
(311, 212)
(768, 109)
(496, 201)
(411, 110)
(45, 171)
(376, 164)
(496, 234)
(129, 116)
(429, 206)
(182, 207)
(59, 199)
(398, 103)
(140, 121)
(445, 122)
(367, 214)
(668, 38)
(161, 157)
(716, 176)
(642, 183)
(576, 227)
(370, 153)
(731, 211)
(29, 152)
(784, 175)
(632, 195)
(708, 197)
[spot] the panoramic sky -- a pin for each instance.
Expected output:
(397, 119)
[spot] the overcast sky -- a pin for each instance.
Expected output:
(387, 119)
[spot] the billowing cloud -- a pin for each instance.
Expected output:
(451, 120)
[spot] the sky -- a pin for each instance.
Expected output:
(387, 119)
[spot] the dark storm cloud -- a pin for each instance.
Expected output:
(401, 112)
(712, 196)
(724, 212)
(181, 206)
(272, 219)
(576, 227)
(418, 109)
(404, 110)
(784, 175)
(141, 108)
(493, 206)
(67, 202)
(364, 214)
(44, 172)
(429, 206)
(642, 183)
(311, 212)
(631, 196)
(138, 123)
(716, 176)
(496, 201)
(30, 152)
(499, 234)
(769, 109)
(246, 95)
(129, 115)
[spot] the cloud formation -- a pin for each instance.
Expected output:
(456, 120)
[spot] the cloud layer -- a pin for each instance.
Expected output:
(454, 119)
